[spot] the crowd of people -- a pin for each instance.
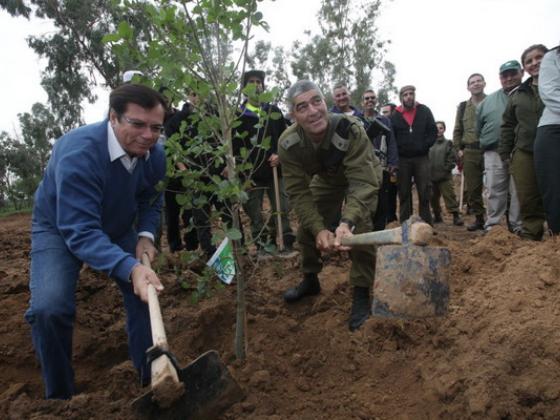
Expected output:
(340, 171)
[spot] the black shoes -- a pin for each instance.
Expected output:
(437, 218)
(457, 220)
(477, 225)
(309, 286)
(360, 308)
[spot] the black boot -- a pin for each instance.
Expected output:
(437, 218)
(360, 308)
(309, 286)
(457, 220)
(478, 224)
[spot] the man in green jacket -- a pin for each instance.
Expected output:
(468, 149)
(327, 160)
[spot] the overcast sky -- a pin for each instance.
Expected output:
(435, 45)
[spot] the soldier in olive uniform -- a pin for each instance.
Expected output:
(468, 149)
(327, 159)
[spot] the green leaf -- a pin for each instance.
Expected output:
(275, 116)
(234, 234)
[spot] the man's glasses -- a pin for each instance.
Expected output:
(141, 125)
(369, 98)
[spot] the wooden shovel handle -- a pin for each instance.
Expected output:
(278, 207)
(420, 234)
(163, 371)
(156, 321)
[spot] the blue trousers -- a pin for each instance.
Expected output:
(52, 310)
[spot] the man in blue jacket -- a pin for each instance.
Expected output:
(97, 192)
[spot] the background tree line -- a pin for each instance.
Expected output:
(81, 54)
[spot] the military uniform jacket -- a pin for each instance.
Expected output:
(464, 132)
(442, 160)
(343, 160)
(520, 120)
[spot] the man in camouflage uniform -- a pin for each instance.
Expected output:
(326, 159)
(468, 148)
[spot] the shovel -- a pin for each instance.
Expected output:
(202, 390)
(411, 279)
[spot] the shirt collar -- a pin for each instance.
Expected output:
(115, 149)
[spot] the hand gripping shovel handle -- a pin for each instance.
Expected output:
(419, 234)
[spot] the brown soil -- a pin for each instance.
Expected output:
(495, 355)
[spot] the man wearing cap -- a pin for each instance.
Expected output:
(341, 97)
(327, 160)
(488, 125)
(260, 122)
(465, 141)
(415, 132)
(378, 129)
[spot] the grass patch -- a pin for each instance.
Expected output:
(7, 211)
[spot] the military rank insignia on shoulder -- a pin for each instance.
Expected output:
(341, 137)
(289, 141)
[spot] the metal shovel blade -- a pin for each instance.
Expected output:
(209, 390)
(411, 281)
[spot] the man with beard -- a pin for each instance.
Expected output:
(415, 131)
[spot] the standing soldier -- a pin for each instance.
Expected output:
(328, 158)
(442, 161)
(465, 141)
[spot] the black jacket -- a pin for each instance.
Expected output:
(415, 140)
(201, 160)
(250, 135)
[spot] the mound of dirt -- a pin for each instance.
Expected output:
(493, 356)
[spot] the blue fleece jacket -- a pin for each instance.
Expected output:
(92, 203)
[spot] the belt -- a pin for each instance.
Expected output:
(472, 145)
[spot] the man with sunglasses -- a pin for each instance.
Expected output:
(97, 204)
(378, 129)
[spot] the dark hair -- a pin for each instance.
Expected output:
(136, 94)
(473, 75)
(442, 123)
(389, 104)
(259, 74)
(540, 47)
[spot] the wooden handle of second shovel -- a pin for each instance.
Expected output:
(420, 234)
(278, 207)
